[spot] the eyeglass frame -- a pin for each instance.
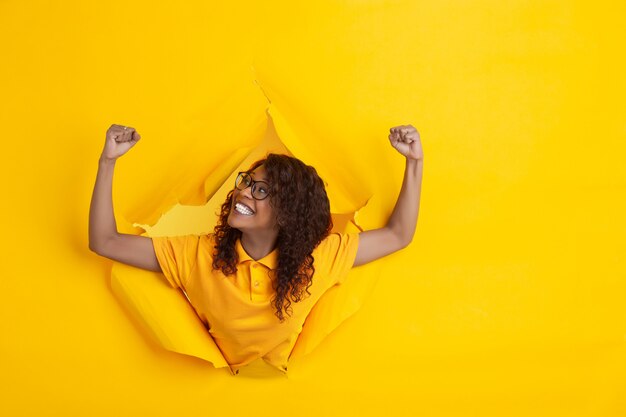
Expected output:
(252, 185)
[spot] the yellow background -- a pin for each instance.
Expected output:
(510, 301)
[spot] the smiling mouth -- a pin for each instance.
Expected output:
(243, 209)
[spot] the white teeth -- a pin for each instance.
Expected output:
(243, 209)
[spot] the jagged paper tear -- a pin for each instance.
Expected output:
(164, 312)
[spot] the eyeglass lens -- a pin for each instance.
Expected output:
(259, 189)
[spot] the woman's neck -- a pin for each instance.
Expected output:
(258, 246)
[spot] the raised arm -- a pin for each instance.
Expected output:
(400, 228)
(104, 238)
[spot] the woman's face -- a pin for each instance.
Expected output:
(248, 214)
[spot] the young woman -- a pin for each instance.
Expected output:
(271, 257)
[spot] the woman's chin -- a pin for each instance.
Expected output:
(235, 222)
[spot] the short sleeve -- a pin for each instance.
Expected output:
(177, 256)
(335, 256)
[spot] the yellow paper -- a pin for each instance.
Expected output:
(509, 301)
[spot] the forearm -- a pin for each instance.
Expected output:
(403, 219)
(102, 224)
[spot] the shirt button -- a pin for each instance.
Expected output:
(256, 283)
(255, 265)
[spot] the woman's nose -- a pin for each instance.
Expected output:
(247, 192)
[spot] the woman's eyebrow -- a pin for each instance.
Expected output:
(260, 179)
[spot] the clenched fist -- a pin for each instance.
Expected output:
(406, 140)
(119, 139)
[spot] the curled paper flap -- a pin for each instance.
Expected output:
(164, 313)
(346, 195)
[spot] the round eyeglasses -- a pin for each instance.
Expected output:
(260, 190)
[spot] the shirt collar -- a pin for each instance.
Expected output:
(270, 260)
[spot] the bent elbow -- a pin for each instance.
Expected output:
(97, 246)
(94, 248)
(402, 239)
(404, 242)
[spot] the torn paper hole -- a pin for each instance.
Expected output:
(165, 313)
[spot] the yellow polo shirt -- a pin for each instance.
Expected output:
(237, 309)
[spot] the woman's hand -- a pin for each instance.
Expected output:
(119, 139)
(406, 140)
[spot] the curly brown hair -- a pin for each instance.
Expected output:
(298, 197)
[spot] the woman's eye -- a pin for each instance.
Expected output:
(262, 190)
